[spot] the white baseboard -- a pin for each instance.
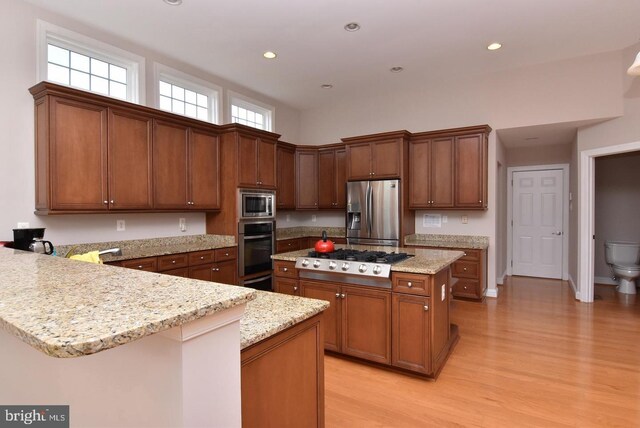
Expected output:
(604, 280)
(574, 288)
(500, 279)
(491, 292)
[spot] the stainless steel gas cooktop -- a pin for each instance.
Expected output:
(351, 262)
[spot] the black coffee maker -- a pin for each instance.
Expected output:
(31, 240)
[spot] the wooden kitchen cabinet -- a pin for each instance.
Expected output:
(332, 178)
(257, 161)
(185, 167)
(148, 264)
(471, 171)
(379, 156)
(286, 176)
(411, 332)
(286, 286)
(214, 265)
(286, 245)
(306, 179)
(331, 315)
(286, 278)
(431, 172)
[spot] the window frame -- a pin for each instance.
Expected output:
(239, 100)
(67, 39)
(192, 83)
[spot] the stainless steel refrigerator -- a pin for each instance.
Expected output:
(373, 212)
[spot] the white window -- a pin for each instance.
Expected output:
(250, 112)
(183, 94)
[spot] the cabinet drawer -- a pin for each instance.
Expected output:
(285, 269)
(223, 254)
(201, 257)
(467, 288)
(462, 269)
(183, 272)
(149, 264)
(287, 286)
(172, 261)
(287, 245)
(472, 255)
(411, 284)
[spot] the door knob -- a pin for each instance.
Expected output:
(557, 233)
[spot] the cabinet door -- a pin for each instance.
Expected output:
(266, 164)
(247, 161)
(366, 324)
(441, 167)
(286, 245)
(148, 264)
(287, 286)
(170, 165)
(307, 179)
(359, 161)
(225, 272)
(341, 178)
(470, 167)
(331, 316)
(420, 174)
(326, 179)
(78, 155)
(130, 177)
(203, 272)
(286, 182)
(386, 157)
(204, 170)
(410, 332)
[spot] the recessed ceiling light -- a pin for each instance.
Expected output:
(494, 46)
(396, 69)
(269, 55)
(326, 86)
(352, 26)
(173, 2)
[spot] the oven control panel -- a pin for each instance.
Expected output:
(381, 270)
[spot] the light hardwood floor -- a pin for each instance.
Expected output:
(534, 357)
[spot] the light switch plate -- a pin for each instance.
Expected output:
(23, 225)
(121, 225)
(182, 224)
(443, 293)
(314, 218)
(464, 219)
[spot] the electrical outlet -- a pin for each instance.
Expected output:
(23, 225)
(314, 218)
(443, 292)
(464, 219)
(182, 224)
(121, 225)
(288, 218)
(445, 219)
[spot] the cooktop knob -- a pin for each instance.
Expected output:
(377, 269)
(362, 268)
(345, 266)
(332, 265)
(316, 263)
(305, 263)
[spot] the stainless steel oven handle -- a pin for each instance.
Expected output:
(253, 281)
(248, 238)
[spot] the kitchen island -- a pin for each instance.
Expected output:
(399, 321)
(136, 348)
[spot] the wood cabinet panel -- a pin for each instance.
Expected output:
(386, 156)
(149, 264)
(248, 161)
(420, 174)
(366, 324)
(465, 269)
(202, 272)
(181, 272)
(306, 179)
(225, 272)
(332, 315)
(129, 159)
(227, 253)
(286, 178)
(287, 286)
(326, 178)
(411, 284)
(173, 261)
(441, 169)
(78, 155)
(170, 177)
(411, 333)
(341, 178)
(359, 161)
(284, 269)
(468, 288)
(266, 164)
(204, 170)
(201, 257)
(470, 170)
(286, 245)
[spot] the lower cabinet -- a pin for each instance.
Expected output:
(286, 286)
(358, 320)
(410, 329)
(223, 272)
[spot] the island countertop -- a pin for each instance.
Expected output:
(67, 308)
(424, 261)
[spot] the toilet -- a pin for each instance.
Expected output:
(624, 259)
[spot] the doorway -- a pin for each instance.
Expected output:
(538, 221)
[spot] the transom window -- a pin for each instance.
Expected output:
(250, 113)
(179, 100)
(85, 72)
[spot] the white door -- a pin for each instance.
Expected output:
(537, 223)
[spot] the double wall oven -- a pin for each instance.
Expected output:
(256, 238)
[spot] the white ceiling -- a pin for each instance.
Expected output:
(431, 39)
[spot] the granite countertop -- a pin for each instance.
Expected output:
(425, 261)
(67, 308)
(139, 248)
(448, 241)
(304, 231)
(271, 313)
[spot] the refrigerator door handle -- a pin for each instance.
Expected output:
(370, 207)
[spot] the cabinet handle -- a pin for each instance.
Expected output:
(342, 295)
(201, 257)
(465, 287)
(139, 266)
(173, 261)
(465, 254)
(464, 269)
(105, 202)
(409, 284)
(338, 295)
(226, 254)
(426, 307)
(295, 288)
(285, 269)
(479, 202)
(111, 201)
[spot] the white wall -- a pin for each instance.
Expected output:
(532, 155)
(18, 51)
(305, 218)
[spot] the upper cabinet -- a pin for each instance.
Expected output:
(378, 156)
(257, 157)
(97, 154)
(307, 179)
(332, 177)
(448, 169)
(286, 176)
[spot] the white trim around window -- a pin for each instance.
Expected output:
(191, 83)
(234, 98)
(48, 33)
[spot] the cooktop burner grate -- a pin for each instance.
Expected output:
(361, 256)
